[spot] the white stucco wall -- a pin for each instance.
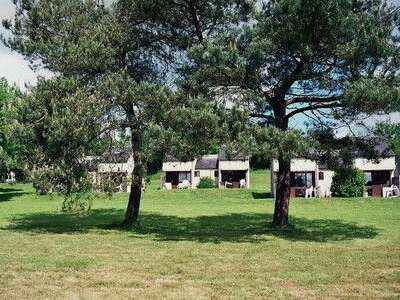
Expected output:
(178, 166)
(298, 165)
(370, 165)
(326, 183)
(237, 165)
(117, 167)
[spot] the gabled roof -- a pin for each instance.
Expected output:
(116, 156)
(113, 156)
(170, 158)
(378, 147)
(224, 156)
(207, 162)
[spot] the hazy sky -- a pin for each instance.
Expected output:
(12, 65)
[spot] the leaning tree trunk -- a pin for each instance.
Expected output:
(281, 213)
(132, 211)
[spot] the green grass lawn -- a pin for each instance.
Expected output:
(198, 244)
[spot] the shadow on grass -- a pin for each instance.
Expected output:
(9, 190)
(6, 194)
(262, 196)
(245, 227)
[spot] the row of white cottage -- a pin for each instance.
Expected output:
(118, 165)
(234, 172)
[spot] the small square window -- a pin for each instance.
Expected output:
(216, 173)
(321, 175)
(196, 173)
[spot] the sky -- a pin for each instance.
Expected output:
(12, 65)
(17, 71)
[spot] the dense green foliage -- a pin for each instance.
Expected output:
(348, 182)
(206, 183)
(391, 133)
(11, 147)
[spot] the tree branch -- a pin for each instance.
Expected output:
(315, 99)
(313, 107)
(287, 83)
(196, 21)
(259, 115)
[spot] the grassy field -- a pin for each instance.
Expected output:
(198, 245)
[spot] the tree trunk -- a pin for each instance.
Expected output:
(281, 213)
(132, 211)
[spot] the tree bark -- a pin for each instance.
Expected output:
(135, 195)
(281, 212)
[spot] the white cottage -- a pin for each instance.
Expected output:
(112, 168)
(307, 174)
(233, 172)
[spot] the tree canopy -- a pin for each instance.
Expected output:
(325, 61)
(112, 66)
(10, 147)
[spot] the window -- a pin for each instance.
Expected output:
(184, 176)
(196, 173)
(216, 174)
(368, 178)
(321, 176)
(302, 179)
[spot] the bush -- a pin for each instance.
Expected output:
(206, 183)
(79, 200)
(348, 183)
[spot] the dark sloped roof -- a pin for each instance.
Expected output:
(170, 158)
(116, 156)
(378, 147)
(207, 163)
(113, 156)
(91, 164)
(224, 156)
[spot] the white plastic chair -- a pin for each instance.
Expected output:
(396, 191)
(318, 192)
(309, 192)
(243, 183)
(228, 184)
(184, 184)
(387, 191)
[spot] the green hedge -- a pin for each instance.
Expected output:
(206, 183)
(348, 183)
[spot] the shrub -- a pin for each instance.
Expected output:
(348, 183)
(206, 183)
